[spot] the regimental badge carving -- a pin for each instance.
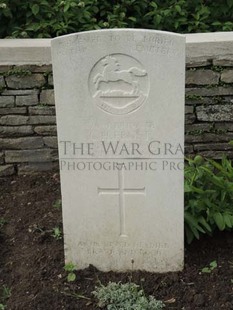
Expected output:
(118, 84)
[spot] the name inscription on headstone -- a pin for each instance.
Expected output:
(147, 43)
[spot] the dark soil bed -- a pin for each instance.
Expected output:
(32, 260)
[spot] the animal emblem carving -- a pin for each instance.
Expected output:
(119, 84)
(112, 73)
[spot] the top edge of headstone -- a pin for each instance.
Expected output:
(122, 30)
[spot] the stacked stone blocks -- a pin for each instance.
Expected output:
(209, 107)
(28, 141)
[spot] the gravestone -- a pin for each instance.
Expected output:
(120, 115)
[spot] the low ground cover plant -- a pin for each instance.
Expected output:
(208, 196)
(127, 296)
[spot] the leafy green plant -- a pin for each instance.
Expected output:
(50, 18)
(126, 297)
(213, 265)
(70, 268)
(57, 233)
(208, 196)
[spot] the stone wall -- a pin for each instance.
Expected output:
(28, 140)
(209, 107)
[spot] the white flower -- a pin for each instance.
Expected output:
(81, 4)
(3, 5)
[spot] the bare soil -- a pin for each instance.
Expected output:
(32, 260)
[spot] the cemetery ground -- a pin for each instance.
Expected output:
(32, 260)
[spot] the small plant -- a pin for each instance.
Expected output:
(125, 297)
(217, 68)
(193, 97)
(47, 73)
(70, 268)
(18, 72)
(42, 105)
(210, 268)
(5, 293)
(57, 233)
(197, 132)
(57, 204)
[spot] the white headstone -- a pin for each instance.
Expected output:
(120, 115)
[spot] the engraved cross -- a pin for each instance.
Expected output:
(121, 191)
